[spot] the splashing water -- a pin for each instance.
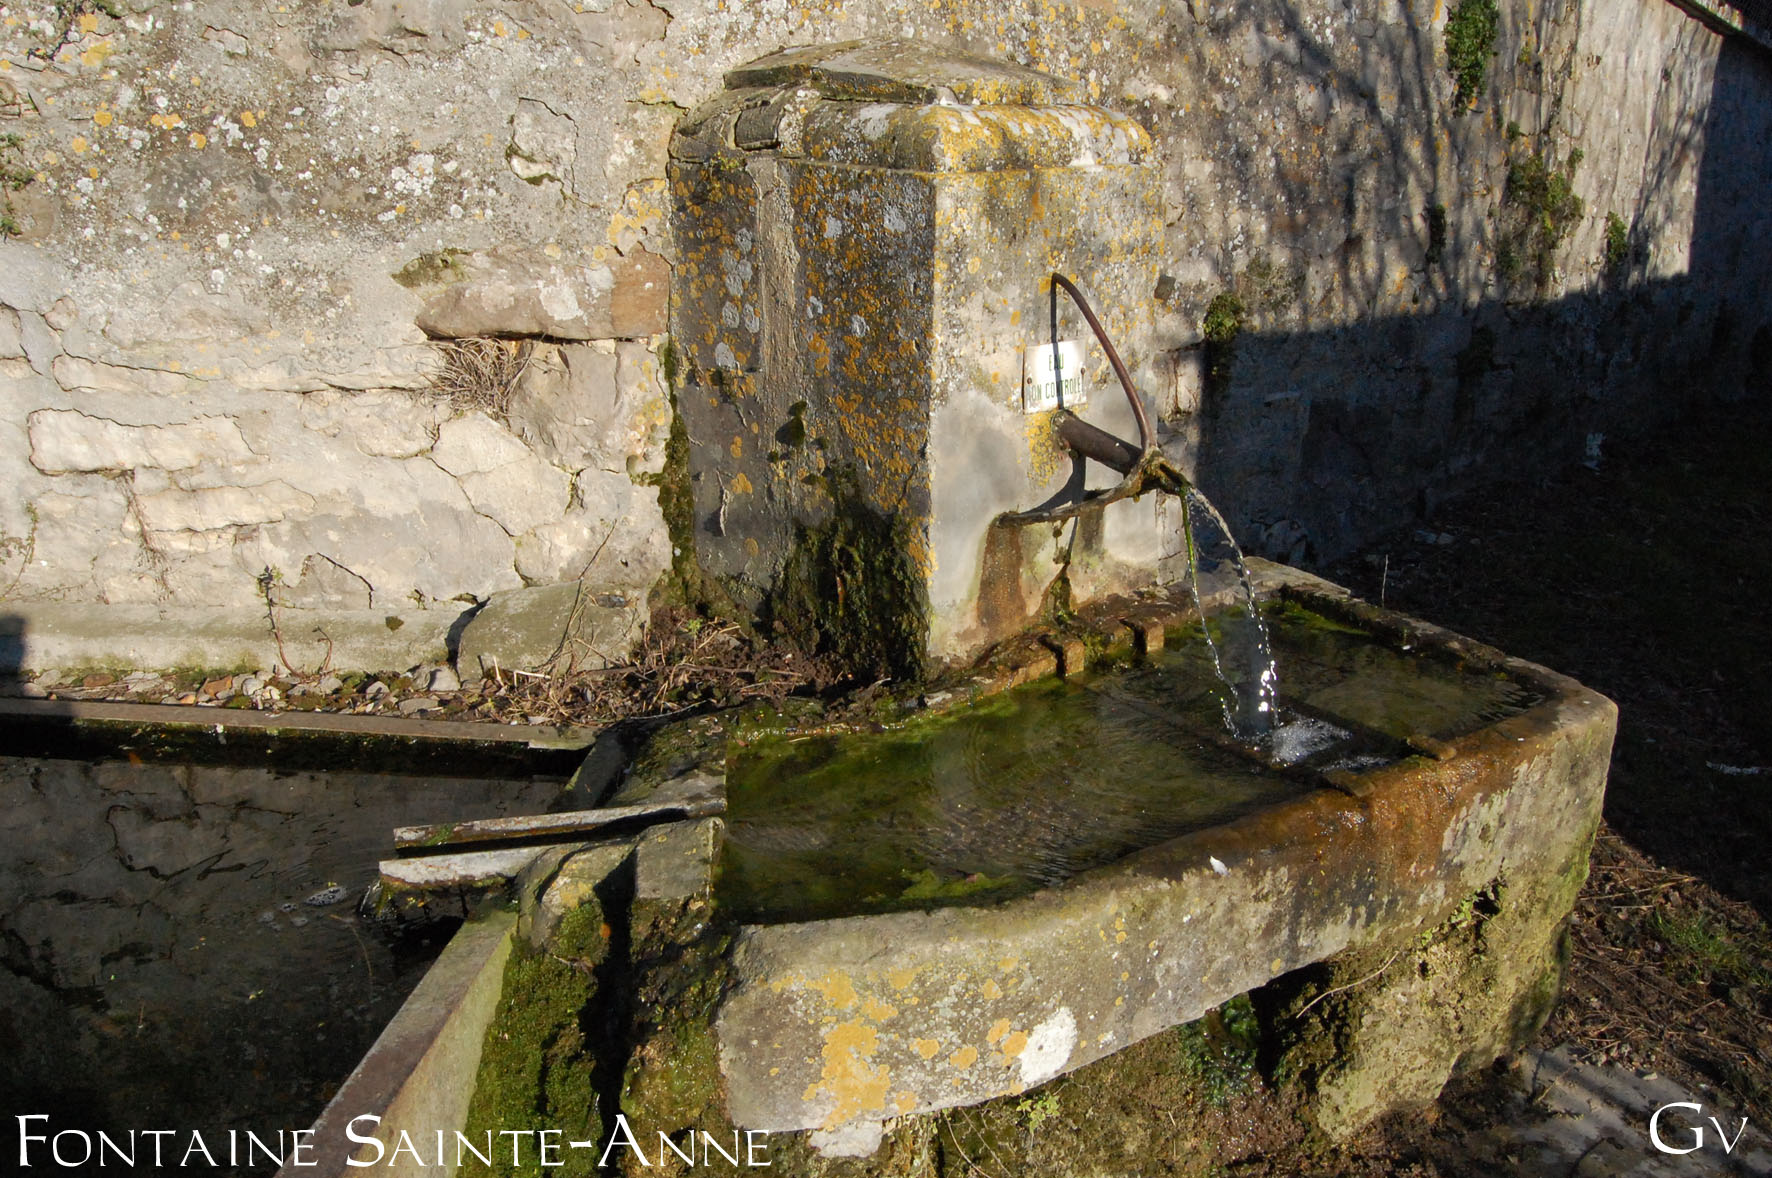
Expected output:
(1242, 657)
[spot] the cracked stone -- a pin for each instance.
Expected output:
(65, 441)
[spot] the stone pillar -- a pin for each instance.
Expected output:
(866, 234)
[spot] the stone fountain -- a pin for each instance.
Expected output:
(870, 368)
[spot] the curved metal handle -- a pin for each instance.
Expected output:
(1141, 467)
(1146, 439)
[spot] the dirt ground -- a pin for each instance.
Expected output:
(1645, 577)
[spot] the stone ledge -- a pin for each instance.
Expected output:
(39, 636)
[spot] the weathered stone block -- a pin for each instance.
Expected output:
(65, 440)
(518, 292)
(523, 629)
(502, 477)
(866, 235)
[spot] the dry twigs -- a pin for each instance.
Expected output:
(481, 373)
(682, 663)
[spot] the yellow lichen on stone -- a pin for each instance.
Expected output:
(998, 1029)
(875, 1009)
(855, 1086)
(964, 1058)
(836, 987)
(926, 1047)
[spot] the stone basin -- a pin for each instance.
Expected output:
(1458, 854)
(838, 1025)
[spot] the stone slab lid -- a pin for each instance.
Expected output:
(902, 106)
(896, 70)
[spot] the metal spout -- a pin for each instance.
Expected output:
(1090, 441)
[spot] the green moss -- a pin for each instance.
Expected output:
(850, 588)
(434, 269)
(672, 1079)
(679, 1084)
(582, 936)
(1221, 326)
(1292, 615)
(1470, 43)
(536, 1065)
(1224, 318)
(1539, 209)
(686, 583)
(14, 175)
(1218, 1051)
(927, 885)
(1705, 951)
(1617, 242)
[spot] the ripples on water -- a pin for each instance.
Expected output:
(1029, 788)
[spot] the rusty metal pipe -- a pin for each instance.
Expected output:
(1091, 442)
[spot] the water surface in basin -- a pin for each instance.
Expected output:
(180, 942)
(1030, 787)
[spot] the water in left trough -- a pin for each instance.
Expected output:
(180, 940)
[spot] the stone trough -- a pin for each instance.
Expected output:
(1459, 860)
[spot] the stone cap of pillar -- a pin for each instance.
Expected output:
(907, 107)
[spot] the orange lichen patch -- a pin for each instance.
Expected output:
(836, 987)
(906, 1102)
(855, 1085)
(875, 1009)
(990, 989)
(199, 140)
(899, 979)
(102, 117)
(1014, 1045)
(926, 1047)
(998, 1029)
(96, 54)
(248, 119)
(964, 1058)
(741, 485)
(78, 146)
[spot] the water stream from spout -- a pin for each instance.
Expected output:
(1242, 655)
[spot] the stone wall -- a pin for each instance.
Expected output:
(238, 233)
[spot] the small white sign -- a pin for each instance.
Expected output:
(1045, 385)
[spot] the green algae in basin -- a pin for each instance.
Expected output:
(1030, 787)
